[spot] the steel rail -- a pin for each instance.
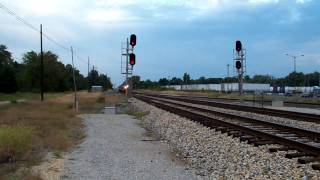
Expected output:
(266, 111)
(213, 122)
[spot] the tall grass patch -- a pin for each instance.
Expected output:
(16, 143)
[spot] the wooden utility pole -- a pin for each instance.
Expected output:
(88, 74)
(74, 82)
(41, 65)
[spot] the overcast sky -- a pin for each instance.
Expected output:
(174, 36)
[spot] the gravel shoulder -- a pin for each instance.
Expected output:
(116, 147)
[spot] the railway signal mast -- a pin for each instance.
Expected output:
(240, 63)
(130, 59)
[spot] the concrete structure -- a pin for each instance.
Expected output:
(212, 87)
(96, 88)
(299, 89)
(247, 87)
(224, 87)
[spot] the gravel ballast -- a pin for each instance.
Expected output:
(219, 156)
(310, 126)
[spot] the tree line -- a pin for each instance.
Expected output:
(25, 76)
(292, 79)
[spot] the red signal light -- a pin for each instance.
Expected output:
(238, 46)
(133, 40)
(132, 59)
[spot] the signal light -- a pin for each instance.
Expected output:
(238, 46)
(133, 40)
(132, 59)
(238, 65)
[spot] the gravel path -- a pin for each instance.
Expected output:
(117, 148)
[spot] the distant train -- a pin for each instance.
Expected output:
(123, 87)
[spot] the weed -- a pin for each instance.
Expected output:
(138, 115)
(16, 143)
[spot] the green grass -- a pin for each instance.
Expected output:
(138, 115)
(28, 96)
(16, 143)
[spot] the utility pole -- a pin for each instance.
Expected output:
(228, 70)
(41, 64)
(88, 74)
(294, 57)
(74, 82)
(228, 75)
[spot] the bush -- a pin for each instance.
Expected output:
(16, 143)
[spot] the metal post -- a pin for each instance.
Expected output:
(262, 100)
(41, 65)
(127, 67)
(241, 73)
(74, 82)
(294, 64)
(319, 79)
(254, 98)
(228, 71)
(294, 57)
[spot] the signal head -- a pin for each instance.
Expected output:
(238, 65)
(238, 46)
(133, 40)
(132, 59)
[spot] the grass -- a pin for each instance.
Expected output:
(249, 96)
(28, 96)
(138, 115)
(15, 142)
(29, 130)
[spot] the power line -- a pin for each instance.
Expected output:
(26, 23)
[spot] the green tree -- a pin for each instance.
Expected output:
(163, 82)
(295, 79)
(8, 83)
(136, 82)
(186, 78)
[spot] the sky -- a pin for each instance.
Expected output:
(173, 36)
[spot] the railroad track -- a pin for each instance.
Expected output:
(266, 111)
(254, 131)
(266, 102)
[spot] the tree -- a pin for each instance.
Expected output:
(93, 78)
(295, 79)
(163, 82)
(99, 80)
(186, 78)
(105, 82)
(8, 83)
(135, 82)
(262, 79)
(175, 81)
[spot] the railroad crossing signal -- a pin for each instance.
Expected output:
(133, 40)
(132, 59)
(238, 46)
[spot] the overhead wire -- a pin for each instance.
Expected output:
(26, 23)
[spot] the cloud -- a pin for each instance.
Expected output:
(110, 16)
(206, 29)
